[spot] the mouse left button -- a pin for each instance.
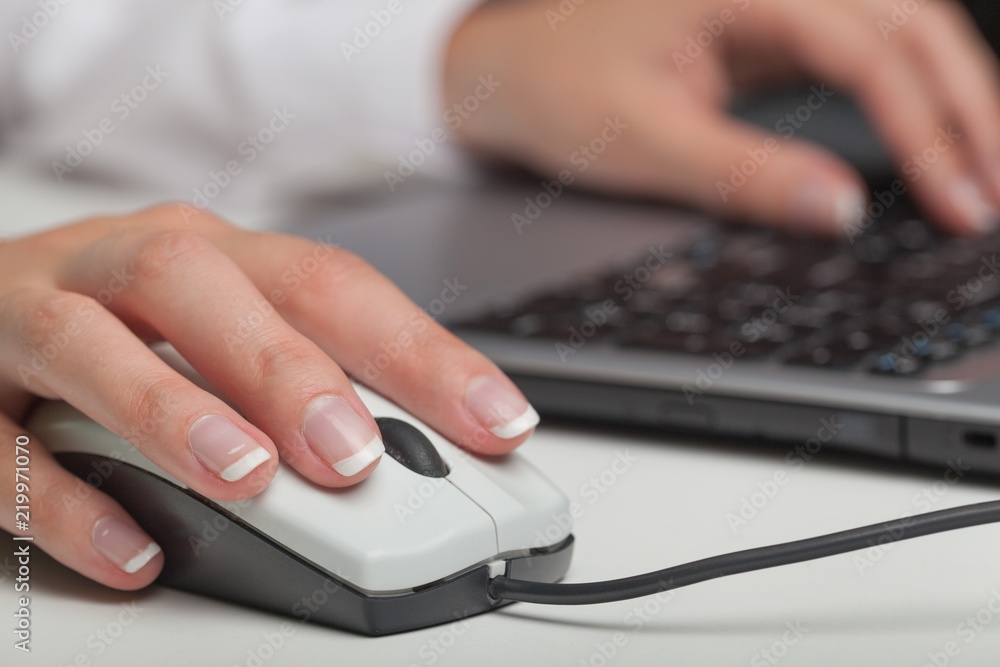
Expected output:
(405, 443)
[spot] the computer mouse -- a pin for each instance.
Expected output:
(412, 546)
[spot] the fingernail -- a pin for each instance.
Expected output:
(340, 437)
(822, 204)
(849, 206)
(224, 448)
(123, 545)
(976, 212)
(503, 411)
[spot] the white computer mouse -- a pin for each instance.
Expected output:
(414, 545)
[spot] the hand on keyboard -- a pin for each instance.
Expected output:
(629, 96)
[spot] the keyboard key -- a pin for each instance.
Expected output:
(894, 364)
(686, 322)
(876, 304)
(836, 354)
(944, 350)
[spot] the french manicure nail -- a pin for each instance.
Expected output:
(340, 437)
(123, 545)
(849, 206)
(968, 198)
(501, 410)
(224, 448)
(819, 204)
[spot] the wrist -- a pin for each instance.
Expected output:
(482, 61)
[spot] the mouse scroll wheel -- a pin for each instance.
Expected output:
(405, 443)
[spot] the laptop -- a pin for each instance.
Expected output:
(635, 313)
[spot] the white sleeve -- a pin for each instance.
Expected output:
(247, 101)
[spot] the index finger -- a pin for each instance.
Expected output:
(383, 339)
(963, 67)
(841, 43)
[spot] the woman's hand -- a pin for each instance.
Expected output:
(277, 323)
(647, 81)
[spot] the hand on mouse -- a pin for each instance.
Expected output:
(276, 323)
(644, 86)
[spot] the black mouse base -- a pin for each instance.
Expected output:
(212, 552)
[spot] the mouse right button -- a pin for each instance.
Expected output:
(527, 509)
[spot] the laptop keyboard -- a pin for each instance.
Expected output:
(897, 300)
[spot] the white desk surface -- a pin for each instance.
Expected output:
(905, 605)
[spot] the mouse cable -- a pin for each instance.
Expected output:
(505, 588)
